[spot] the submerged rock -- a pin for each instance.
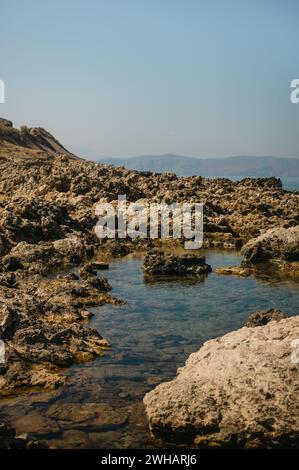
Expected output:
(160, 263)
(87, 416)
(10, 440)
(234, 270)
(237, 390)
(262, 317)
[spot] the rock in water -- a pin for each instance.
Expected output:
(160, 263)
(278, 243)
(237, 390)
(263, 317)
(9, 440)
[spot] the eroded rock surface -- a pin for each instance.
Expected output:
(54, 199)
(263, 317)
(47, 221)
(42, 323)
(278, 243)
(167, 264)
(237, 390)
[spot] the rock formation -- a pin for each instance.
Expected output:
(47, 220)
(263, 317)
(167, 264)
(28, 142)
(237, 390)
(278, 243)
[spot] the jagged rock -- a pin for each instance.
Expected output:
(59, 196)
(263, 317)
(68, 277)
(88, 270)
(100, 283)
(8, 320)
(47, 222)
(279, 243)
(69, 246)
(41, 323)
(160, 263)
(237, 390)
(8, 280)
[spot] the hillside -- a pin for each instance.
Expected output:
(24, 143)
(231, 166)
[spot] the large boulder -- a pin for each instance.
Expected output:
(278, 243)
(237, 390)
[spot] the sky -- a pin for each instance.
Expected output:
(205, 78)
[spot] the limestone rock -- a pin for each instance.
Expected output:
(279, 243)
(237, 390)
(263, 317)
(234, 270)
(160, 263)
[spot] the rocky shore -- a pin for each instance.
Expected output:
(47, 220)
(276, 249)
(279, 246)
(239, 390)
(43, 326)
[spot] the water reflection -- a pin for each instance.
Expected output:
(153, 334)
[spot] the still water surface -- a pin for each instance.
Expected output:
(153, 334)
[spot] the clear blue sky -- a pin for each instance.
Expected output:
(126, 77)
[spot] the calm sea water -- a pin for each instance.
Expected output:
(153, 334)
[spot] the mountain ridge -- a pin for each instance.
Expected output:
(255, 166)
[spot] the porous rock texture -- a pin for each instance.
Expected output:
(47, 223)
(277, 243)
(168, 264)
(262, 317)
(237, 390)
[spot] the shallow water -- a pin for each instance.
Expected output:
(153, 334)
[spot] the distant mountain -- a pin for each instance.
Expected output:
(231, 166)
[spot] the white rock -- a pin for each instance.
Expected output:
(240, 389)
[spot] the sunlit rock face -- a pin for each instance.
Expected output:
(278, 243)
(237, 390)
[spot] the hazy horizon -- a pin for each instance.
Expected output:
(205, 79)
(77, 150)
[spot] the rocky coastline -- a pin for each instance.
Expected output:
(239, 390)
(47, 220)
